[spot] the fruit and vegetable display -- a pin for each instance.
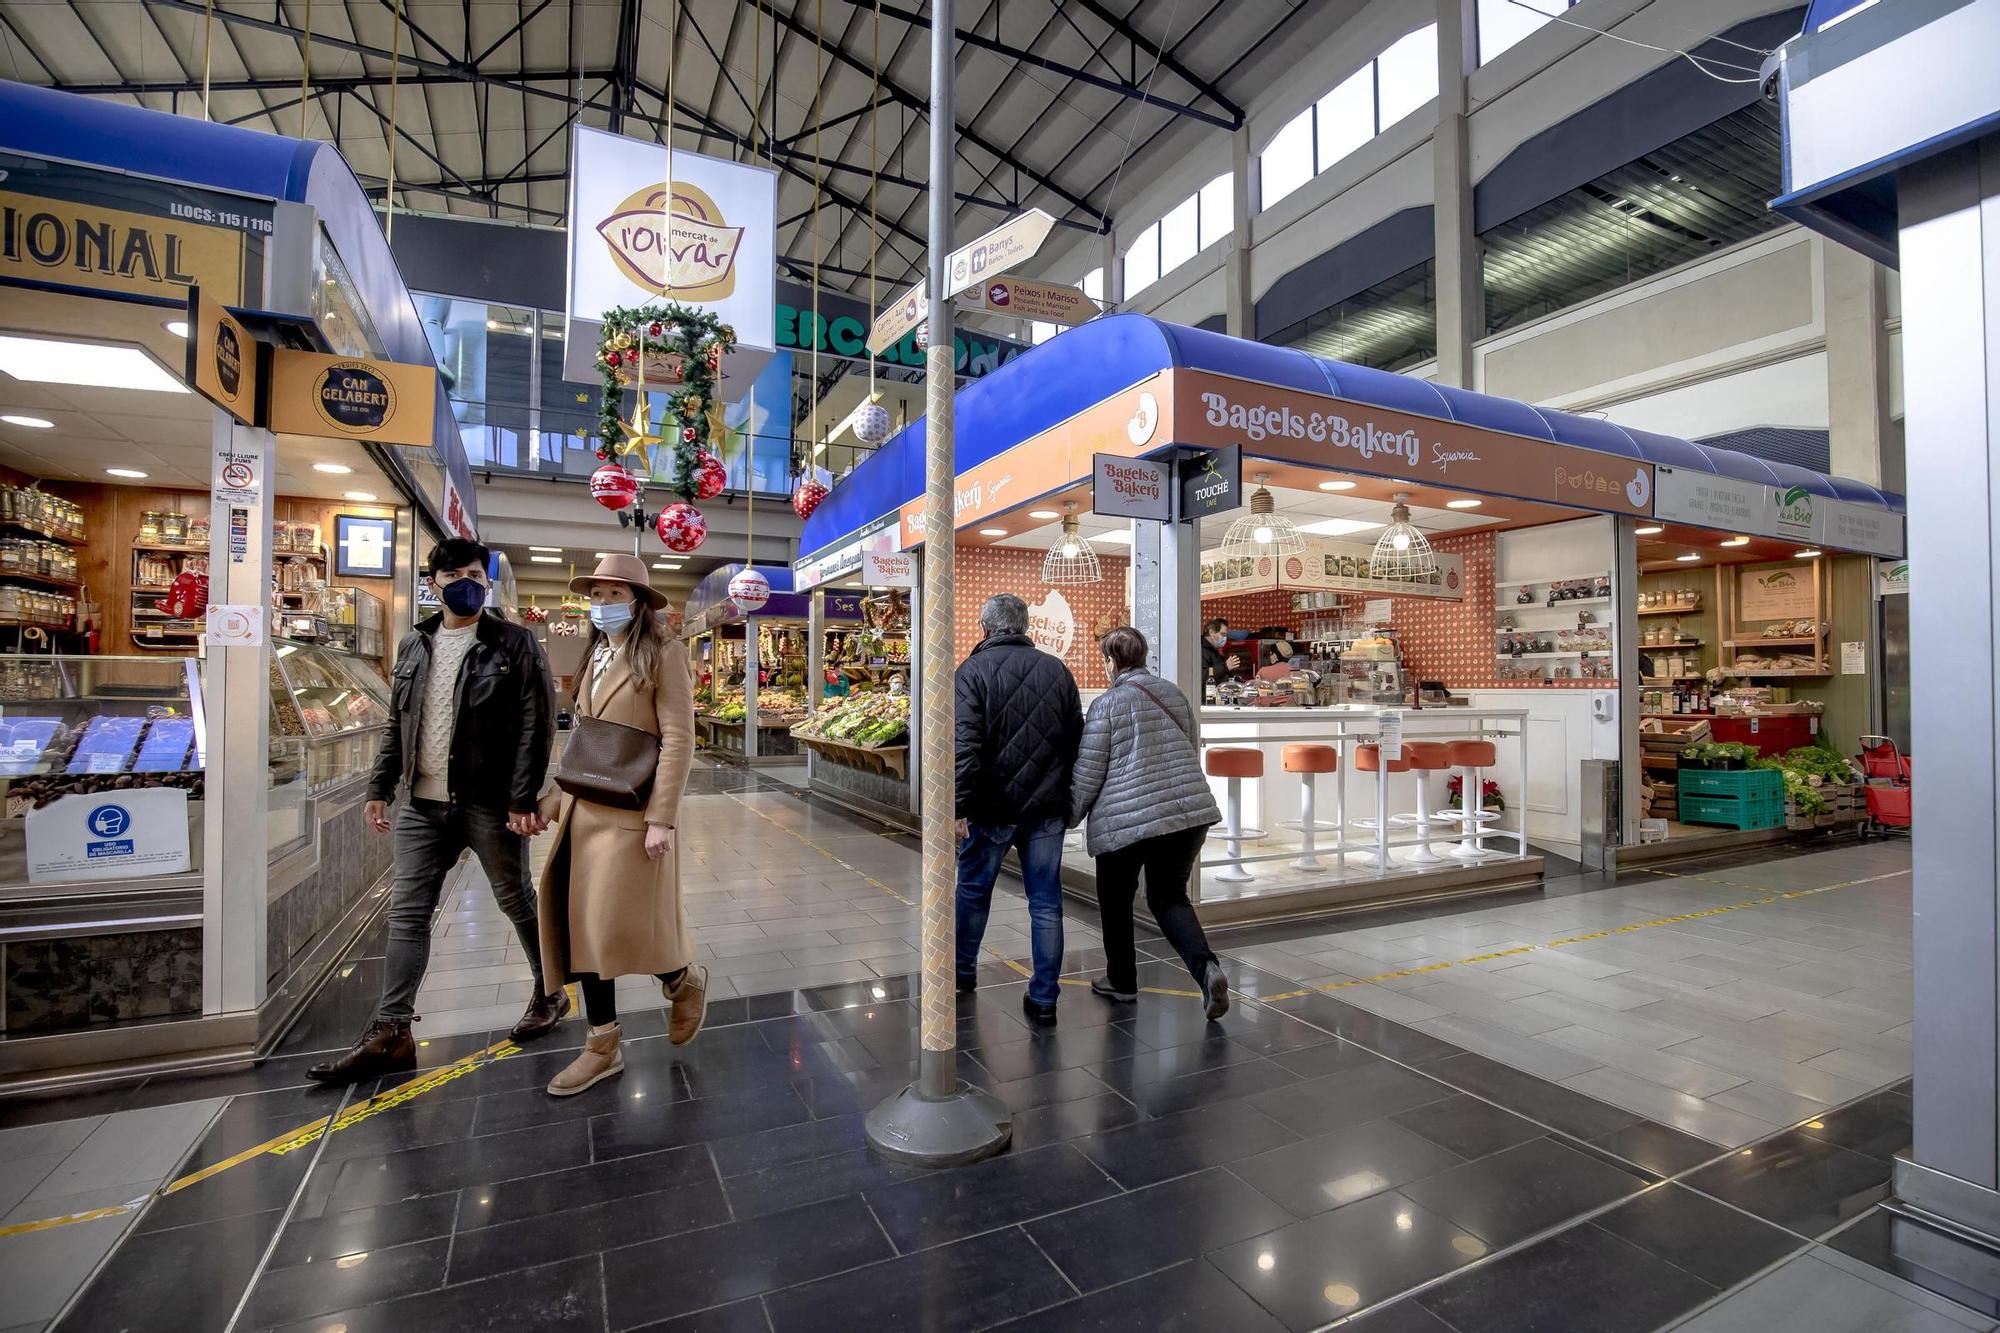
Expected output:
(773, 705)
(868, 720)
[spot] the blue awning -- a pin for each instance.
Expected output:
(1093, 361)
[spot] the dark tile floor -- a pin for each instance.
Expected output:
(1304, 1162)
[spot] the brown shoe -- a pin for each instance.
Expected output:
(385, 1048)
(544, 1012)
(599, 1060)
(690, 1000)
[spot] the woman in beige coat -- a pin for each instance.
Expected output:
(611, 895)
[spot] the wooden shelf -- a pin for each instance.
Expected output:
(171, 550)
(1512, 608)
(1734, 670)
(1571, 652)
(1800, 641)
(893, 760)
(14, 525)
(1677, 643)
(40, 580)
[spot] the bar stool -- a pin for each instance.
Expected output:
(1309, 761)
(1235, 765)
(1368, 759)
(1470, 758)
(1426, 757)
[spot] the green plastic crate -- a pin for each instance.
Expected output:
(1739, 784)
(1755, 812)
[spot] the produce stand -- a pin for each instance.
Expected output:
(859, 744)
(757, 666)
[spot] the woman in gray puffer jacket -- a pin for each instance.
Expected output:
(1138, 778)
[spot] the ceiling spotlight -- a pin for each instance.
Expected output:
(333, 469)
(549, 550)
(1337, 485)
(1689, 558)
(993, 532)
(177, 327)
(130, 474)
(1650, 530)
(1044, 514)
(32, 423)
(363, 497)
(1734, 541)
(1808, 554)
(1463, 504)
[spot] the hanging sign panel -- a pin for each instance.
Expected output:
(223, 362)
(880, 569)
(354, 398)
(1048, 302)
(898, 318)
(1012, 243)
(1132, 488)
(1211, 483)
(1790, 513)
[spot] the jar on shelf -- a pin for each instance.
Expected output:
(305, 538)
(198, 531)
(149, 526)
(174, 529)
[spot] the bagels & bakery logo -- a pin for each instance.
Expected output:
(696, 261)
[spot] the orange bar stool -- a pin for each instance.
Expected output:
(1235, 765)
(1309, 761)
(1368, 759)
(1426, 758)
(1470, 758)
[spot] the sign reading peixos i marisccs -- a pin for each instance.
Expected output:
(355, 398)
(705, 239)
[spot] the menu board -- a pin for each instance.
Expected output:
(107, 745)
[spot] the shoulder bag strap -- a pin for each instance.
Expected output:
(1173, 716)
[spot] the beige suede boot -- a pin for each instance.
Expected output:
(599, 1060)
(690, 1000)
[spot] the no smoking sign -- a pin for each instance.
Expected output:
(235, 478)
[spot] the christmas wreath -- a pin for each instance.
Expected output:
(679, 349)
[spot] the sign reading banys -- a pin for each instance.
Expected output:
(1215, 411)
(705, 239)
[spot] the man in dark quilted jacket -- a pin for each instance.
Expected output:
(1019, 721)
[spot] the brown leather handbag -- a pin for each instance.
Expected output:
(608, 762)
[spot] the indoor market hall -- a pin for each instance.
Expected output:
(1116, 667)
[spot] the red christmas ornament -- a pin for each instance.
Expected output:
(614, 358)
(613, 487)
(654, 328)
(533, 615)
(687, 434)
(807, 497)
(681, 527)
(710, 477)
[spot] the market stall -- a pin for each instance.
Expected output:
(1396, 562)
(199, 578)
(752, 657)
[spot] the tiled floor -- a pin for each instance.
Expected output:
(1317, 1158)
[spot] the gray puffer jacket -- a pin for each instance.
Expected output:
(1138, 774)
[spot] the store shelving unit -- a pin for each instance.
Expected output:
(41, 598)
(1544, 619)
(1737, 635)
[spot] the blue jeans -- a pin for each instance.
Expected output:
(979, 857)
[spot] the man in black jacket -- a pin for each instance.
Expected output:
(1216, 666)
(1019, 721)
(472, 716)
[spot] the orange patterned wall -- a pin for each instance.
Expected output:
(986, 570)
(1453, 641)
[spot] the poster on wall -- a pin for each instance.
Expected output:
(109, 835)
(713, 246)
(1051, 624)
(1776, 594)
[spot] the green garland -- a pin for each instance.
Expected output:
(700, 339)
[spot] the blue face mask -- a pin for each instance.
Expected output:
(611, 617)
(464, 597)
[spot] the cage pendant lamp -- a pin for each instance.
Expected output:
(1263, 531)
(1071, 562)
(1403, 554)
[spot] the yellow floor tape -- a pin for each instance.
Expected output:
(291, 1140)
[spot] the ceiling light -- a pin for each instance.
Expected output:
(32, 423)
(1808, 554)
(92, 365)
(1337, 485)
(1689, 558)
(333, 469)
(668, 565)
(1043, 514)
(493, 326)
(1650, 530)
(551, 550)
(600, 555)
(1734, 541)
(1116, 537)
(1070, 562)
(177, 327)
(545, 559)
(993, 532)
(1402, 554)
(1263, 531)
(1338, 527)
(1463, 504)
(132, 474)
(364, 497)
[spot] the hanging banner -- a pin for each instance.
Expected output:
(353, 398)
(1892, 578)
(712, 247)
(1131, 488)
(223, 362)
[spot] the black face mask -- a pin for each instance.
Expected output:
(463, 597)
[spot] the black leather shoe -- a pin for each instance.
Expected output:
(1041, 1015)
(544, 1012)
(967, 985)
(386, 1048)
(1103, 987)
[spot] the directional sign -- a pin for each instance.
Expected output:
(897, 319)
(1022, 298)
(1013, 242)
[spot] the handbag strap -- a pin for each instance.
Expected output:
(1171, 715)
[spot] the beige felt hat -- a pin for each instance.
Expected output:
(627, 569)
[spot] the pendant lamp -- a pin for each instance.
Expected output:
(1263, 531)
(1071, 562)
(1403, 554)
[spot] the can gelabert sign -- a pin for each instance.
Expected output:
(223, 360)
(355, 398)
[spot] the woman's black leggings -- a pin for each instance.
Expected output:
(600, 995)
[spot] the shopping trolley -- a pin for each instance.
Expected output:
(1886, 771)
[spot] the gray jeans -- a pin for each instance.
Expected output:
(430, 835)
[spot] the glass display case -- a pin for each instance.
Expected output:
(327, 710)
(355, 621)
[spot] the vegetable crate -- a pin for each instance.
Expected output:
(1742, 799)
